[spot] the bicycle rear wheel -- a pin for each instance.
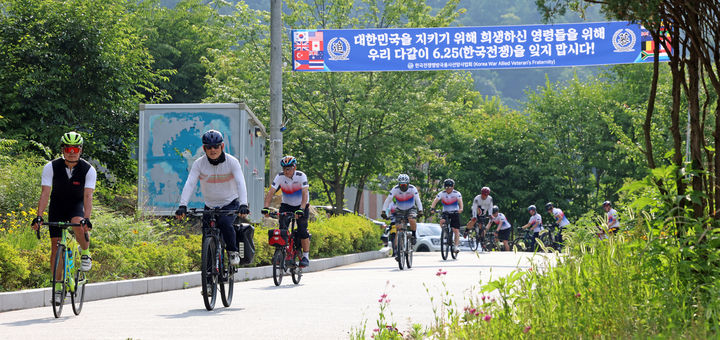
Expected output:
(402, 250)
(78, 295)
(227, 280)
(444, 246)
(57, 302)
(451, 242)
(278, 261)
(207, 272)
(472, 240)
(297, 270)
(547, 242)
(409, 257)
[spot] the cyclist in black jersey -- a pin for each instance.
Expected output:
(68, 184)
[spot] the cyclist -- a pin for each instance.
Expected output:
(295, 197)
(613, 224)
(222, 185)
(68, 183)
(407, 198)
(503, 227)
(559, 217)
(388, 212)
(535, 222)
(452, 201)
(482, 204)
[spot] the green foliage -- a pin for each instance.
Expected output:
(13, 269)
(74, 65)
(19, 183)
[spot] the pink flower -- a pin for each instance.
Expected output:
(444, 273)
(376, 330)
(483, 298)
(526, 329)
(477, 313)
(472, 311)
(487, 317)
(381, 300)
(577, 295)
(383, 296)
(438, 274)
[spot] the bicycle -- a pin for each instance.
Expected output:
(475, 236)
(72, 280)
(526, 242)
(288, 250)
(555, 237)
(215, 267)
(403, 250)
(446, 236)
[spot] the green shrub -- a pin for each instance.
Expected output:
(13, 269)
(19, 184)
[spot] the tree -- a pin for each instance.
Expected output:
(74, 65)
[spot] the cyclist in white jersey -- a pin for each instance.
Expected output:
(481, 207)
(407, 198)
(535, 223)
(222, 185)
(503, 227)
(452, 202)
(613, 224)
(295, 197)
(560, 219)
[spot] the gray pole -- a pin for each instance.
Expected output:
(276, 115)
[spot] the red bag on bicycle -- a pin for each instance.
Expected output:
(278, 237)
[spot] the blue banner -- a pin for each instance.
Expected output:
(469, 48)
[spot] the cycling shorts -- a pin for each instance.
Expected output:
(76, 210)
(454, 220)
(302, 222)
(504, 235)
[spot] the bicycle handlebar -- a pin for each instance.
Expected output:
(61, 225)
(215, 212)
(275, 214)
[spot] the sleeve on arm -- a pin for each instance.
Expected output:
(47, 175)
(240, 180)
(190, 184)
(417, 199)
(474, 208)
(91, 178)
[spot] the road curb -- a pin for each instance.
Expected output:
(40, 297)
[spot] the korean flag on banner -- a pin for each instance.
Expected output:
(301, 37)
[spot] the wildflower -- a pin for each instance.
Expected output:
(383, 296)
(472, 311)
(376, 330)
(21, 205)
(577, 295)
(381, 300)
(135, 231)
(487, 317)
(477, 313)
(483, 298)
(526, 329)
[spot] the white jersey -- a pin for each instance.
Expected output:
(560, 218)
(501, 221)
(219, 184)
(536, 223)
(451, 201)
(612, 219)
(48, 173)
(389, 205)
(291, 187)
(405, 200)
(484, 204)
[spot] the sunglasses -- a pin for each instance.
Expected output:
(71, 149)
(214, 146)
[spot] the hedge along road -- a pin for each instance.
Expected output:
(325, 305)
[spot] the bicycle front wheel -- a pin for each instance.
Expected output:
(208, 273)
(472, 240)
(227, 280)
(297, 271)
(444, 245)
(78, 295)
(59, 290)
(409, 256)
(278, 260)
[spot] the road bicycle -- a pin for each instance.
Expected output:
(403, 248)
(215, 267)
(288, 250)
(526, 241)
(475, 236)
(66, 276)
(555, 232)
(446, 236)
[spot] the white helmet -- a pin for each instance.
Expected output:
(403, 179)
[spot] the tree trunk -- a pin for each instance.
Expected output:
(696, 131)
(358, 197)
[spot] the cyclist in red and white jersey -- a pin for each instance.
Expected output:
(535, 223)
(407, 202)
(295, 197)
(482, 205)
(503, 227)
(613, 224)
(452, 201)
(557, 214)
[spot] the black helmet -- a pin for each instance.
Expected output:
(449, 183)
(549, 206)
(532, 207)
(495, 209)
(606, 203)
(212, 137)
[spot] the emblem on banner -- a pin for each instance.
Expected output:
(624, 40)
(338, 48)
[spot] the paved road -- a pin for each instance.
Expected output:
(325, 305)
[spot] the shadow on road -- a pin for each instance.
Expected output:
(272, 286)
(201, 312)
(35, 321)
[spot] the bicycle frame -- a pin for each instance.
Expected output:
(70, 279)
(287, 257)
(447, 242)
